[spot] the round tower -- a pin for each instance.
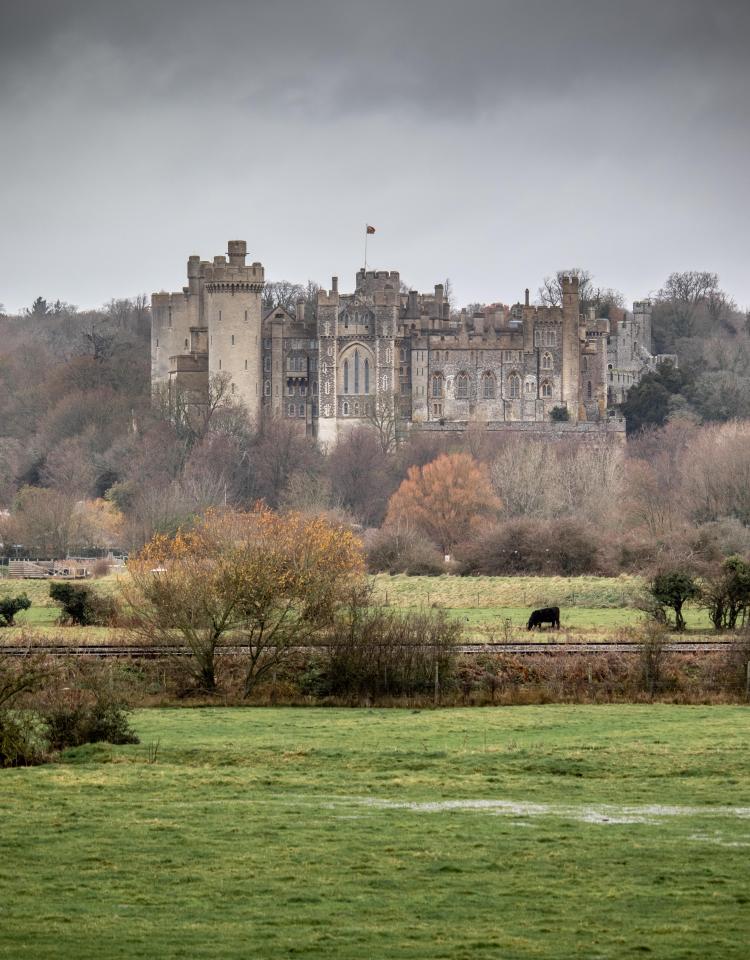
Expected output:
(233, 314)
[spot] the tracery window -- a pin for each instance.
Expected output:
(546, 389)
(546, 361)
(550, 338)
(514, 386)
(488, 386)
(437, 385)
(462, 386)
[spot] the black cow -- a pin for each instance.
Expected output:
(545, 615)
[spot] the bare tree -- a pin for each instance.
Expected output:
(385, 416)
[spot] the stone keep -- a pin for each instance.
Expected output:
(212, 328)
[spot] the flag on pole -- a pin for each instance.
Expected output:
(369, 228)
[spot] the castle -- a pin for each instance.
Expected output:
(358, 355)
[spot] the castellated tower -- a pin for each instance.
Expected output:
(232, 298)
(571, 346)
(212, 328)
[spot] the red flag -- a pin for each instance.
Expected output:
(369, 228)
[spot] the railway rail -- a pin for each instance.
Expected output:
(548, 648)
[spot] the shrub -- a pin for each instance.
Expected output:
(24, 738)
(673, 588)
(372, 652)
(652, 657)
(71, 725)
(559, 415)
(100, 567)
(81, 606)
(726, 595)
(88, 703)
(10, 606)
(391, 551)
(563, 547)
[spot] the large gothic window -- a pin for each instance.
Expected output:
(462, 386)
(437, 384)
(488, 386)
(546, 361)
(514, 386)
(346, 376)
(546, 389)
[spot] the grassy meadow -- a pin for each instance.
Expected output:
(560, 832)
(595, 607)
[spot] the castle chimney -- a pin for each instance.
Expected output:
(334, 284)
(300, 313)
(526, 298)
(237, 250)
(413, 304)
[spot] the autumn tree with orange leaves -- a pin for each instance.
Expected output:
(446, 500)
(259, 580)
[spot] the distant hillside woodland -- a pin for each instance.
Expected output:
(87, 462)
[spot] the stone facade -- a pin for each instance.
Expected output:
(629, 351)
(350, 356)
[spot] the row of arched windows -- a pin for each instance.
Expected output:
(488, 386)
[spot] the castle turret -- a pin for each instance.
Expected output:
(233, 313)
(570, 345)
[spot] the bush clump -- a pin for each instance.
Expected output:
(24, 738)
(391, 551)
(373, 652)
(81, 606)
(10, 606)
(554, 547)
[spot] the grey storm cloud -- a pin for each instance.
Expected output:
(492, 141)
(353, 55)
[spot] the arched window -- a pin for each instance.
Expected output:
(345, 408)
(346, 376)
(356, 371)
(514, 386)
(356, 409)
(584, 364)
(588, 389)
(267, 388)
(546, 361)
(462, 386)
(291, 410)
(550, 338)
(488, 386)
(546, 389)
(437, 384)
(537, 337)
(367, 375)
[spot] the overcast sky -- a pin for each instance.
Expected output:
(489, 141)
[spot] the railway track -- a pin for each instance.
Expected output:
(551, 648)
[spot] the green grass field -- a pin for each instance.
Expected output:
(591, 606)
(554, 832)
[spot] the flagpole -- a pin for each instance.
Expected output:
(366, 235)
